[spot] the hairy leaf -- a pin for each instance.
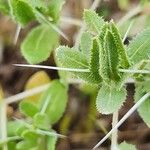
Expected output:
(144, 109)
(94, 61)
(139, 48)
(126, 146)
(22, 12)
(93, 21)
(124, 61)
(56, 95)
(86, 43)
(110, 99)
(39, 43)
(109, 60)
(71, 58)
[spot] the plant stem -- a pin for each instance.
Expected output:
(128, 114)
(115, 133)
(134, 71)
(3, 123)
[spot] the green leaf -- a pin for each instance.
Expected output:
(22, 12)
(93, 21)
(24, 145)
(71, 58)
(109, 59)
(12, 145)
(126, 146)
(139, 48)
(51, 142)
(124, 61)
(110, 99)
(57, 95)
(28, 108)
(94, 61)
(39, 43)
(42, 121)
(54, 8)
(86, 43)
(30, 135)
(144, 109)
(4, 8)
(21, 129)
(12, 127)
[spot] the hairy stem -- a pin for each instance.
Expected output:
(114, 134)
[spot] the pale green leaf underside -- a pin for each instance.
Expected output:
(144, 109)
(57, 93)
(71, 58)
(110, 99)
(93, 21)
(139, 48)
(38, 44)
(126, 146)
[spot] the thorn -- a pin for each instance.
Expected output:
(52, 67)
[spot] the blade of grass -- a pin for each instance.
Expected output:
(18, 29)
(20, 96)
